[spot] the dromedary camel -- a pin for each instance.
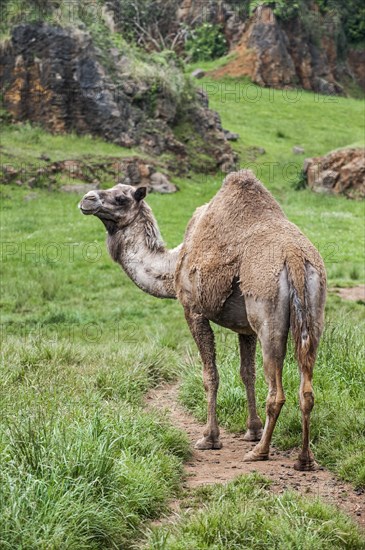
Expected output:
(242, 265)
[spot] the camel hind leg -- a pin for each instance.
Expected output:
(305, 460)
(306, 356)
(270, 321)
(248, 375)
(273, 358)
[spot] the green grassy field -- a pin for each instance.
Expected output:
(83, 465)
(244, 514)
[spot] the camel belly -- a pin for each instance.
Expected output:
(233, 314)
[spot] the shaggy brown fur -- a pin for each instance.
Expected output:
(255, 244)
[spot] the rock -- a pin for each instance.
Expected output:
(55, 77)
(231, 136)
(198, 73)
(253, 152)
(140, 173)
(277, 53)
(160, 184)
(298, 150)
(341, 171)
(129, 170)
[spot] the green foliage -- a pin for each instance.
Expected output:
(281, 8)
(205, 43)
(300, 182)
(346, 18)
(351, 14)
(245, 514)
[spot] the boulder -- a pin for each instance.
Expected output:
(160, 184)
(231, 136)
(339, 172)
(198, 73)
(297, 150)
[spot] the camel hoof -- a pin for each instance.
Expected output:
(305, 465)
(252, 435)
(206, 444)
(253, 456)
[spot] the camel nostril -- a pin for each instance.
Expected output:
(91, 195)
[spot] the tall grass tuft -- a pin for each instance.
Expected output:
(244, 514)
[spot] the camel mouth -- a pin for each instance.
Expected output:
(88, 211)
(89, 205)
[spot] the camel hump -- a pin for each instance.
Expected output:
(242, 178)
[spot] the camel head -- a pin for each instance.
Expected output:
(116, 207)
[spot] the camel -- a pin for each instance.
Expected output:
(242, 265)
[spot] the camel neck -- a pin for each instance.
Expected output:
(140, 251)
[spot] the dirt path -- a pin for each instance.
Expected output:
(355, 293)
(221, 466)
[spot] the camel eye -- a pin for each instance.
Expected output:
(120, 199)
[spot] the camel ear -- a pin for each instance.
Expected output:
(140, 193)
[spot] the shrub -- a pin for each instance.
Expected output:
(281, 8)
(206, 42)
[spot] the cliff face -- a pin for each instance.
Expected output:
(56, 77)
(278, 53)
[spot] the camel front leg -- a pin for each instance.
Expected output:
(204, 338)
(248, 375)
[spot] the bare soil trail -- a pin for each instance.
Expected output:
(355, 293)
(220, 466)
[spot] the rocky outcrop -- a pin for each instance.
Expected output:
(341, 171)
(356, 62)
(82, 175)
(277, 54)
(298, 51)
(56, 77)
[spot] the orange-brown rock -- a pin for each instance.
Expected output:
(341, 171)
(278, 54)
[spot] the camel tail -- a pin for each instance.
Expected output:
(306, 314)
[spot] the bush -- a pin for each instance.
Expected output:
(350, 14)
(206, 42)
(281, 8)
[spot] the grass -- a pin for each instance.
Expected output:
(84, 466)
(244, 514)
(23, 144)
